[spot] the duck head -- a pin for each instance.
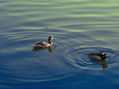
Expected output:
(50, 38)
(103, 55)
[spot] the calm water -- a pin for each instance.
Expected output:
(80, 27)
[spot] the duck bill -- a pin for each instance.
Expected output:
(54, 39)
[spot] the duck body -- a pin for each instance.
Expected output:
(42, 44)
(100, 56)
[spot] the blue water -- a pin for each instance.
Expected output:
(80, 27)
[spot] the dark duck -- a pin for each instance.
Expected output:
(99, 58)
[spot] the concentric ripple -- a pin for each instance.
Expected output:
(79, 57)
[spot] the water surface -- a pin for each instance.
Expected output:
(80, 27)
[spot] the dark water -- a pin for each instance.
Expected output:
(80, 27)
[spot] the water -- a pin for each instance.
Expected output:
(80, 27)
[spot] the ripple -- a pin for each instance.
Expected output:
(74, 24)
(79, 57)
(23, 64)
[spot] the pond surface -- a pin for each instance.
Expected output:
(80, 27)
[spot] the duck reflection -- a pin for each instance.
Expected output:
(50, 49)
(99, 58)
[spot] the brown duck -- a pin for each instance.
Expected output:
(44, 44)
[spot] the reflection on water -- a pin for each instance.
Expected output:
(50, 49)
(102, 62)
(80, 27)
(80, 58)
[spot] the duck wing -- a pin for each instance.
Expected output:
(40, 44)
(94, 57)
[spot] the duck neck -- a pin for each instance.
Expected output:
(49, 41)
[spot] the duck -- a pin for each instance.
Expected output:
(43, 45)
(98, 56)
